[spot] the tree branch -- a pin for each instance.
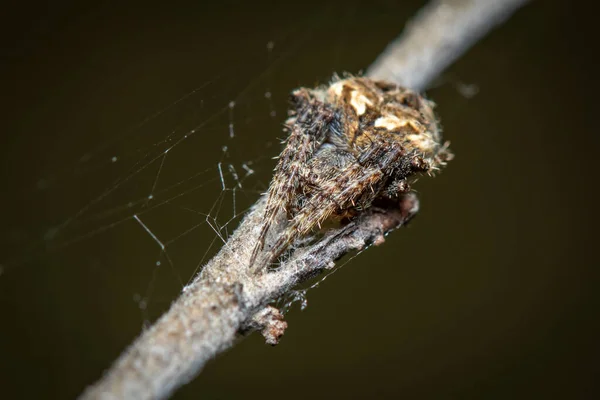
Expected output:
(227, 298)
(440, 33)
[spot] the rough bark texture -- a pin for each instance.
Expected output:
(227, 297)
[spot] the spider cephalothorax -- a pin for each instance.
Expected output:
(350, 143)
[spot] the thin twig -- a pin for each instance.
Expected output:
(227, 298)
(440, 33)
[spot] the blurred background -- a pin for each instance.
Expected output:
(127, 127)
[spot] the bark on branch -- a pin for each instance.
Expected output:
(227, 298)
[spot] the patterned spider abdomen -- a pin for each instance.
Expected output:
(378, 108)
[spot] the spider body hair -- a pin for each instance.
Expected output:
(349, 144)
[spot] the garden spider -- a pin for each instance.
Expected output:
(349, 144)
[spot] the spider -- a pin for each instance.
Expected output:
(349, 144)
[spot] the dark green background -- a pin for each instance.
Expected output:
(490, 293)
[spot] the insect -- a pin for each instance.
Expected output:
(349, 144)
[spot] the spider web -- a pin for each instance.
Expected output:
(134, 208)
(138, 206)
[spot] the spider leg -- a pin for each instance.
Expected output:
(387, 155)
(308, 131)
(358, 183)
(356, 180)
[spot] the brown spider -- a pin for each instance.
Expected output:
(351, 143)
